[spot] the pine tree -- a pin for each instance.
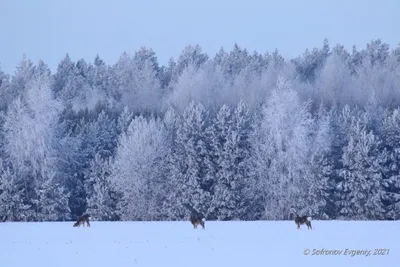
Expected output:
(101, 199)
(190, 56)
(21, 79)
(70, 159)
(309, 64)
(189, 171)
(391, 179)
(124, 120)
(51, 201)
(170, 209)
(12, 204)
(230, 145)
(361, 189)
(5, 93)
(237, 60)
(219, 164)
(99, 137)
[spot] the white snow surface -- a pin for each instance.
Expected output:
(244, 244)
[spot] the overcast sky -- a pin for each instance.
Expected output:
(48, 29)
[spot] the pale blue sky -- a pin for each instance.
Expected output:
(48, 29)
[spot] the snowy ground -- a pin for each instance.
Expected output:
(230, 244)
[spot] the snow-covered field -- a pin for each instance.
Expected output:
(244, 244)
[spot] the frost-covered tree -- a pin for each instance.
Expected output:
(29, 140)
(340, 124)
(137, 85)
(71, 159)
(237, 60)
(65, 71)
(310, 63)
(166, 72)
(82, 138)
(144, 57)
(51, 199)
(16, 150)
(5, 95)
(361, 188)
(124, 120)
(219, 164)
(190, 56)
(320, 167)
(80, 85)
(205, 85)
(220, 57)
(100, 137)
(334, 83)
(377, 52)
(248, 87)
(391, 179)
(20, 80)
(169, 209)
(280, 149)
(101, 198)
(136, 171)
(99, 76)
(189, 166)
(230, 147)
(2, 118)
(12, 205)
(184, 90)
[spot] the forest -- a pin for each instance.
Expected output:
(239, 135)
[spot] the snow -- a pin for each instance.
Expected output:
(237, 243)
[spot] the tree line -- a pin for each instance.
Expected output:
(238, 136)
